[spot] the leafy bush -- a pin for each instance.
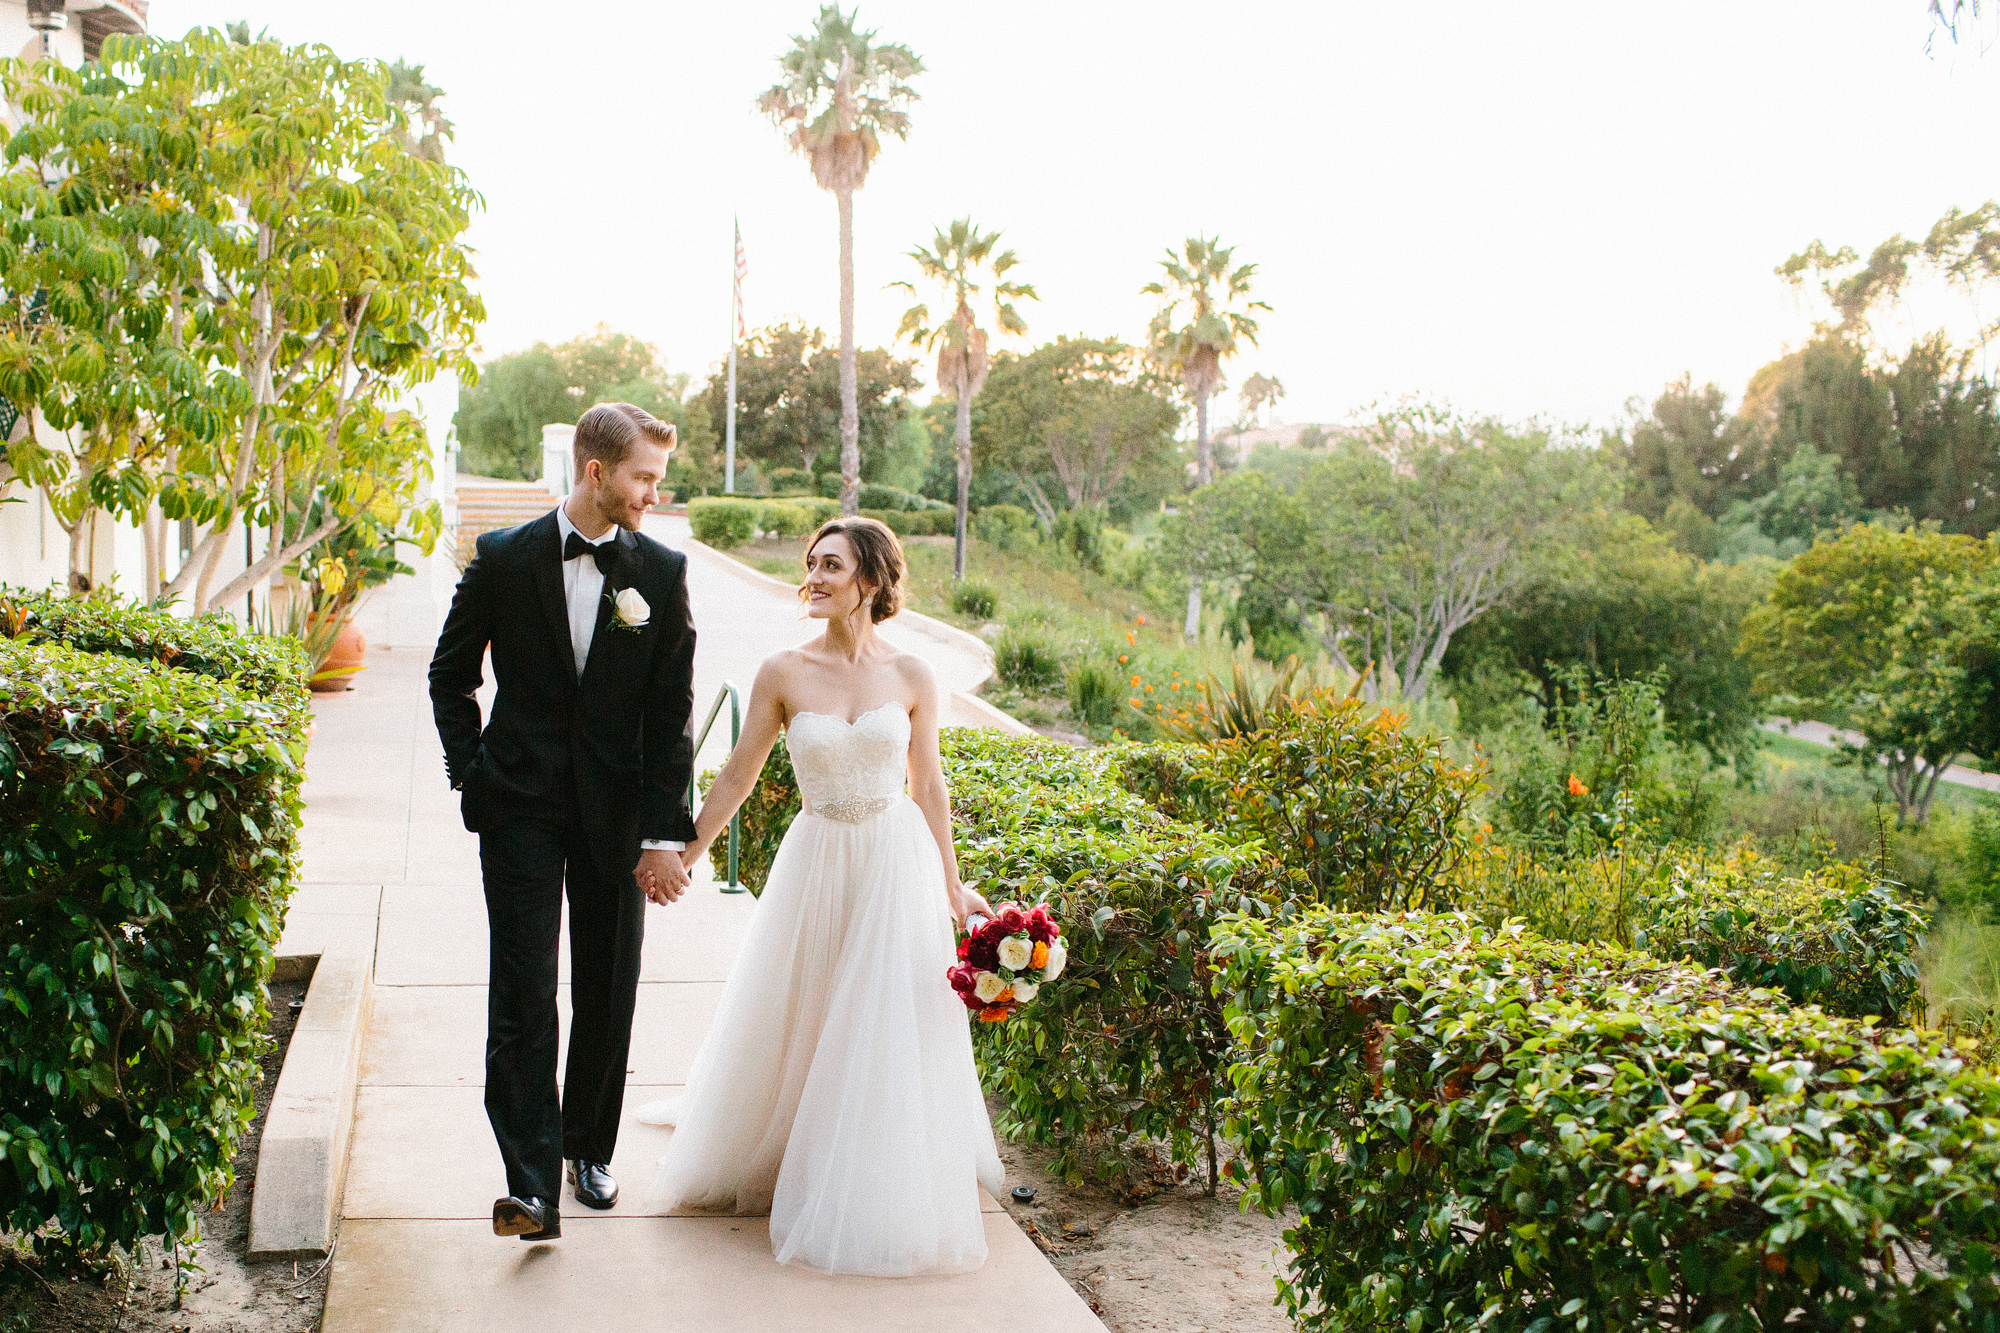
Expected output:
(1560, 784)
(1830, 935)
(790, 481)
(723, 521)
(785, 518)
(916, 523)
(766, 813)
(1093, 693)
(1367, 813)
(1028, 659)
(1485, 1129)
(1836, 937)
(151, 820)
(972, 598)
(1004, 527)
(1131, 1041)
(1981, 884)
(210, 646)
(1081, 533)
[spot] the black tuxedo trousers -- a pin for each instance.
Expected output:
(564, 779)
(528, 863)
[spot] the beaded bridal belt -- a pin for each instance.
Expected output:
(854, 809)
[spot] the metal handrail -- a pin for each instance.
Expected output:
(728, 691)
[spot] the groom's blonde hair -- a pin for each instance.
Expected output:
(607, 432)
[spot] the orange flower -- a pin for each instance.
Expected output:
(1136, 703)
(993, 1014)
(1576, 787)
(1132, 637)
(1142, 620)
(1149, 689)
(1040, 957)
(1003, 998)
(1135, 682)
(1122, 658)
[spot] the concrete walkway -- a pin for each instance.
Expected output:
(1819, 733)
(392, 874)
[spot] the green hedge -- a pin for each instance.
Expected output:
(209, 646)
(1485, 1129)
(917, 523)
(150, 821)
(1833, 936)
(723, 521)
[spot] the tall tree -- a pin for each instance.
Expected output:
(1258, 393)
(1688, 457)
(841, 92)
(1203, 315)
(1074, 420)
(1828, 639)
(789, 400)
(957, 257)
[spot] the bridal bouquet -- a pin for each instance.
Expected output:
(1005, 959)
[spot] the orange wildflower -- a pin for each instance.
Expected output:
(1576, 787)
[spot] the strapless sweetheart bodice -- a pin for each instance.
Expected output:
(850, 771)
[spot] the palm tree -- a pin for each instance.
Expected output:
(841, 93)
(1200, 278)
(953, 262)
(1259, 392)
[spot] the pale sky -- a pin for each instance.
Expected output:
(1529, 209)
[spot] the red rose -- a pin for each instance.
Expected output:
(962, 978)
(984, 954)
(964, 946)
(972, 1001)
(1011, 919)
(1042, 924)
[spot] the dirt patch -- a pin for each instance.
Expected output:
(1152, 1253)
(225, 1292)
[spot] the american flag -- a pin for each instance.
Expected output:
(742, 267)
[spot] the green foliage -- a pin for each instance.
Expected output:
(916, 523)
(1005, 526)
(1829, 635)
(1982, 878)
(1602, 760)
(1093, 693)
(766, 813)
(1835, 938)
(500, 418)
(152, 819)
(1689, 452)
(1357, 808)
(1130, 1042)
(788, 399)
(973, 598)
(211, 646)
(1484, 1129)
(723, 521)
(1621, 601)
(1028, 659)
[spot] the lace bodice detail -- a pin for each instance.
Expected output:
(850, 771)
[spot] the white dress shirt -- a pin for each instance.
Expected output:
(583, 586)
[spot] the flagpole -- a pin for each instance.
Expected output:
(735, 322)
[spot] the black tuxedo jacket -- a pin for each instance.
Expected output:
(618, 743)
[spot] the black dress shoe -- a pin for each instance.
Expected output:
(530, 1218)
(594, 1186)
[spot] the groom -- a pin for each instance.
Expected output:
(578, 783)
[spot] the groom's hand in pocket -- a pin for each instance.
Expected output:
(661, 875)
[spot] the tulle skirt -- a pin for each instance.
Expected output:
(836, 1087)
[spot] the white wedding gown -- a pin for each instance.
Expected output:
(836, 1087)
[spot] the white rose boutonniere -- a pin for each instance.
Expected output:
(629, 610)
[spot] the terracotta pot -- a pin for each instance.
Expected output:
(343, 660)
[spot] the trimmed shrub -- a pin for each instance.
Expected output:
(1092, 690)
(784, 518)
(150, 823)
(1004, 526)
(972, 598)
(789, 481)
(1833, 936)
(1028, 660)
(1485, 1129)
(917, 523)
(209, 645)
(723, 521)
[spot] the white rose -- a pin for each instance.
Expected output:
(1057, 956)
(631, 608)
(988, 987)
(1015, 951)
(1025, 991)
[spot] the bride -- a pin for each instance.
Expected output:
(836, 1087)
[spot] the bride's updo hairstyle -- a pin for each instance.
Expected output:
(878, 561)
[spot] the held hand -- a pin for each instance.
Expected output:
(964, 903)
(661, 875)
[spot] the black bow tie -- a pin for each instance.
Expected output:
(606, 555)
